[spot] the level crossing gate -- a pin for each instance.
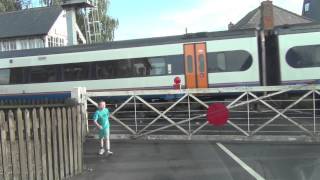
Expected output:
(274, 113)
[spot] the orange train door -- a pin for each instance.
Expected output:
(196, 73)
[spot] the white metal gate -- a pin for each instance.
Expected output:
(256, 113)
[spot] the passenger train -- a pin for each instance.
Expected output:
(201, 60)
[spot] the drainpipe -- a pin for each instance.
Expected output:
(267, 25)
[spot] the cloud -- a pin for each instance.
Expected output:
(207, 15)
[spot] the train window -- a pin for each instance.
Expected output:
(123, 69)
(4, 76)
(16, 76)
(190, 63)
(304, 56)
(106, 70)
(76, 72)
(42, 74)
(177, 64)
(158, 66)
(229, 61)
(202, 63)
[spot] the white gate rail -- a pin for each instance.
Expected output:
(278, 111)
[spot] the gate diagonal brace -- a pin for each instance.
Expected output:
(164, 116)
(163, 113)
(281, 113)
(229, 122)
(114, 118)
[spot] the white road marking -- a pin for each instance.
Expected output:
(241, 163)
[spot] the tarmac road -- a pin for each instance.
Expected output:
(149, 160)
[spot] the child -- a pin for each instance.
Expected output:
(101, 120)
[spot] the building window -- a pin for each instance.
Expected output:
(306, 7)
(4, 76)
(304, 56)
(229, 61)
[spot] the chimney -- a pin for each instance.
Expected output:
(267, 19)
(230, 26)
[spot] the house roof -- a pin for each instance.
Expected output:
(281, 17)
(29, 22)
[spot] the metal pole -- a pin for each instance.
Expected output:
(189, 115)
(135, 113)
(263, 58)
(248, 113)
(314, 111)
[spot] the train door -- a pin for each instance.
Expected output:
(195, 60)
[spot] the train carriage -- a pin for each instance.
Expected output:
(299, 50)
(201, 60)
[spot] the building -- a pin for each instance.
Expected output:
(34, 28)
(311, 9)
(280, 16)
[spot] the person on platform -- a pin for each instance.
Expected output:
(101, 120)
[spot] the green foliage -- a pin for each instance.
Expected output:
(109, 24)
(9, 5)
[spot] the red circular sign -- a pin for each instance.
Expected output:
(217, 114)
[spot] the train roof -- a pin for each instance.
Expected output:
(298, 28)
(186, 38)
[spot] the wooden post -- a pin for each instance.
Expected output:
(30, 149)
(43, 144)
(49, 144)
(5, 148)
(54, 142)
(70, 141)
(35, 123)
(22, 145)
(60, 144)
(79, 136)
(14, 147)
(65, 142)
(1, 162)
(75, 139)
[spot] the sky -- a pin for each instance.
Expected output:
(153, 18)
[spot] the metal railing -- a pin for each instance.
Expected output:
(256, 113)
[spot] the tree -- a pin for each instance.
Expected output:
(9, 5)
(109, 24)
(13, 5)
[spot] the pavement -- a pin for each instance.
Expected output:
(187, 160)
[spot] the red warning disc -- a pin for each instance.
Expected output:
(217, 114)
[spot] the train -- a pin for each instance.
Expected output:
(288, 54)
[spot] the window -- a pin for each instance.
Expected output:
(43, 74)
(24, 44)
(158, 66)
(202, 63)
(306, 7)
(16, 76)
(229, 61)
(106, 70)
(112, 69)
(76, 72)
(221, 62)
(13, 45)
(304, 56)
(190, 63)
(4, 76)
(123, 69)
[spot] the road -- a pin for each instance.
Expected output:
(146, 160)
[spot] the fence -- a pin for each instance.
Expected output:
(277, 113)
(41, 143)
